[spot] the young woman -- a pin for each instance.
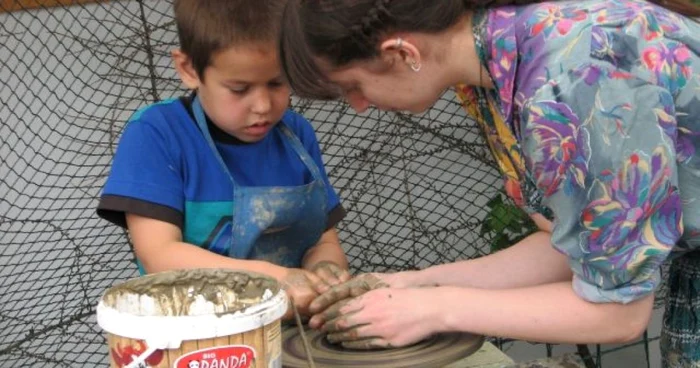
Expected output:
(592, 110)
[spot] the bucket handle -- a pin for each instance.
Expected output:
(153, 345)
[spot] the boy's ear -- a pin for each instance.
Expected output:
(184, 67)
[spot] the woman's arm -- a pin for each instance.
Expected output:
(521, 265)
(530, 262)
(546, 313)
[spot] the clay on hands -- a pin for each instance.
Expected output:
(330, 273)
(302, 287)
(350, 289)
(381, 319)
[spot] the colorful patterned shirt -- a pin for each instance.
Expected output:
(595, 122)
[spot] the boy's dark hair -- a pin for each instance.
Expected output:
(343, 31)
(205, 27)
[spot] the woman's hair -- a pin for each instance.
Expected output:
(343, 31)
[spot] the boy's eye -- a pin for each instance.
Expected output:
(238, 90)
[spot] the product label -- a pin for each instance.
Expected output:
(231, 356)
(124, 354)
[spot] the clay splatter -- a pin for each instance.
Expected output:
(190, 292)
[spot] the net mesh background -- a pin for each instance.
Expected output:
(416, 187)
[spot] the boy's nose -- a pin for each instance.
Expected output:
(262, 103)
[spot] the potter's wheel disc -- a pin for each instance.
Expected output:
(433, 352)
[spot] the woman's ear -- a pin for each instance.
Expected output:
(404, 50)
(184, 67)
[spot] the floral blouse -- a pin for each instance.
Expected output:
(595, 122)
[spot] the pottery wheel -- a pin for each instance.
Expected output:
(433, 352)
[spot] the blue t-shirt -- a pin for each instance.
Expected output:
(164, 169)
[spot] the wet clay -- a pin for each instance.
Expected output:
(191, 292)
(435, 351)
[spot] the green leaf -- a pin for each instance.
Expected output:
(516, 226)
(499, 243)
(495, 201)
(505, 224)
(496, 222)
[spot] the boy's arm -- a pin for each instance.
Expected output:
(159, 247)
(327, 259)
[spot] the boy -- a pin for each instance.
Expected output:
(226, 177)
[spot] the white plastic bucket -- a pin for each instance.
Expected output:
(212, 323)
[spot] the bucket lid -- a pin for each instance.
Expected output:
(167, 308)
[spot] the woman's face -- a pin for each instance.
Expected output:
(388, 86)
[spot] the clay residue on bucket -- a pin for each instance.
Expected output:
(190, 293)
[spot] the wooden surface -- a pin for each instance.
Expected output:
(13, 5)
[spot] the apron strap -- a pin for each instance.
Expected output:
(298, 147)
(201, 121)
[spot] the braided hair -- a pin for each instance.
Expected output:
(377, 16)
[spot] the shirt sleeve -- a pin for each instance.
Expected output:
(306, 134)
(145, 177)
(600, 146)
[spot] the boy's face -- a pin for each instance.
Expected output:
(242, 91)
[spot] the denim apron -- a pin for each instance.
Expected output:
(275, 224)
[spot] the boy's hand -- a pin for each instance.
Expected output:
(330, 273)
(301, 287)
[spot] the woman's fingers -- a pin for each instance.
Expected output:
(343, 307)
(331, 296)
(357, 332)
(350, 289)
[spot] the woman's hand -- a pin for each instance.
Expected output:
(382, 318)
(350, 289)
